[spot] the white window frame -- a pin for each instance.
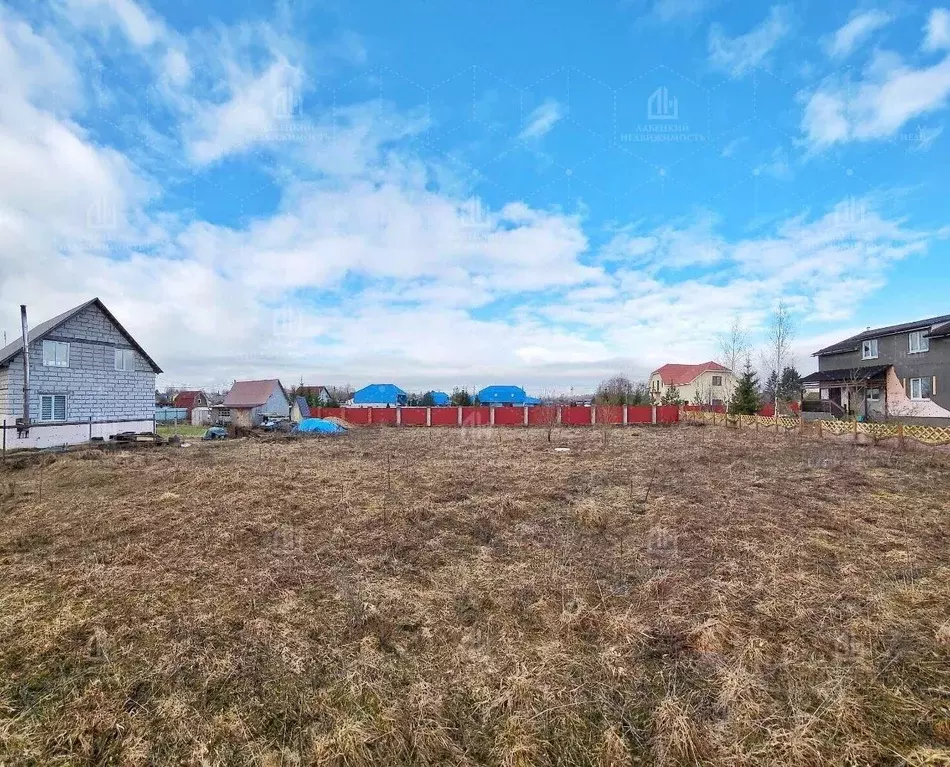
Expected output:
(54, 359)
(920, 389)
(121, 355)
(876, 394)
(923, 343)
(869, 349)
(52, 408)
(715, 378)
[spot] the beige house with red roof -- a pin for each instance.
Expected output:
(707, 383)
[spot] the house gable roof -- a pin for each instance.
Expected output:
(39, 332)
(252, 393)
(938, 326)
(378, 394)
(505, 394)
(676, 374)
(186, 399)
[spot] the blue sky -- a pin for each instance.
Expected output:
(471, 193)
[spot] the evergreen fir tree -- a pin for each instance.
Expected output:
(745, 400)
(671, 396)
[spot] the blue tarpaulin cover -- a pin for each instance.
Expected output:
(318, 425)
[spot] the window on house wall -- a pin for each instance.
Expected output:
(874, 395)
(717, 381)
(869, 349)
(124, 359)
(53, 407)
(919, 342)
(921, 388)
(56, 354)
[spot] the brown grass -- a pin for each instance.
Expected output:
(439, 596)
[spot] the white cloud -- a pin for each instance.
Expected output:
(737, 55)
(858, 29)
(876, 107)
(138, 25)
(937, 30)
(541, 120)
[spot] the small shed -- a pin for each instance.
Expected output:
(380, 395)
(201, 416)
(249, 401)
(300, 410)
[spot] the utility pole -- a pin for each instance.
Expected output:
(26, 368)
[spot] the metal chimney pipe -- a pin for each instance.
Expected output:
(26, 367)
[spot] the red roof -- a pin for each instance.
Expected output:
(186, 399)
(680, 375)
(251, 393)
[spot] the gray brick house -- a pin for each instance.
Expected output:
(88, 378)
(898, 371)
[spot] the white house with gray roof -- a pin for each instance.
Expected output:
(88, 378)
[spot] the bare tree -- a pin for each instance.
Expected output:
(781, 332)
(733, 349)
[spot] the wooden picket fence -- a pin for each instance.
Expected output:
(866, 432)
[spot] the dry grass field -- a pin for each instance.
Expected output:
(444, 597)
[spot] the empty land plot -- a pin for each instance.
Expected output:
(652, 596)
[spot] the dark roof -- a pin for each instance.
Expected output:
(251, 393)
(42, 330)
(303, 407)
(937, 325)
(847, 374)
(306, 391)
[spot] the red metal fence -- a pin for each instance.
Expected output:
(541, 415)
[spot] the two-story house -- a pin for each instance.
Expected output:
(707, 383)
(895, 371)
(87, 378)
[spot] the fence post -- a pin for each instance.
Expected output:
(593, 414)
(557, 416)
(428, 416)
(398, 416)
(525, 415)
(491, 416)
(654, 415)
(624, 408)
(821, 428)
(460, 415)
(900, 434)
(369, 419)
(4, 440)
(855, 431)
(90, 429)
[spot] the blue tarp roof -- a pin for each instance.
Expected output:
(506, 395)
(303, 407)
(380, 394)
(440, 397)
(319, 426)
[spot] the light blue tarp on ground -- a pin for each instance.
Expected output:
(318, 425)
